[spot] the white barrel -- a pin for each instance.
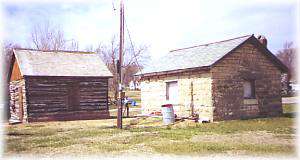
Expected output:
(168, 114)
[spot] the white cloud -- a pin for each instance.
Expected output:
(176, 24)
(92, 26)
(167, 24)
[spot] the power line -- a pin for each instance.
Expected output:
(129, 36)
(113, 5)
(131, 43)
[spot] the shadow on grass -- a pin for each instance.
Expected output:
(115, 117)
(287, 115)
(19, 134)
(290, 115)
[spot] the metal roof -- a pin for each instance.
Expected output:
(192, 57)
(60, 63)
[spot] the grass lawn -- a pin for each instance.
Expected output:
(147, 135)
(136, 95)
(289, 108)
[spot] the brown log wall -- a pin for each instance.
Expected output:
(66, 98)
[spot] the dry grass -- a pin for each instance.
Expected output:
(148, 135)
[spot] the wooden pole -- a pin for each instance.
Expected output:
(192, 99)
(120, 79)
(127, 108)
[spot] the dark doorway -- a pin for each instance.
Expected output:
(73, 96)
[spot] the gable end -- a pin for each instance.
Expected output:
(14, 71)
(261, 48)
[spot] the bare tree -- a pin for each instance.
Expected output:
(46, 37)
(109, 55)
(288, 57)
(7, 50)
(134, 58)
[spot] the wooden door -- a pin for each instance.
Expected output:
(172, 92)
(73, 96)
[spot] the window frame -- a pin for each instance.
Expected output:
(252, 86)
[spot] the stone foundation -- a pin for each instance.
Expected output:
(16, 112)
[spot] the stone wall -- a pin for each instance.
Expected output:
(228, 76)
(153, 93)
(16, 101)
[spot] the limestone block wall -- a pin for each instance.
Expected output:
(202, 94)
(16, 100)
(249, 108)
(153, 93)
(228, 75)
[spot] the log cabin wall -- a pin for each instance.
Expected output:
(66, 98)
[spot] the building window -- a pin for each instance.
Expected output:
(249, 89)
(172, 91)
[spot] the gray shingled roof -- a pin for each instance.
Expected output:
(192, 57)
(60, 63)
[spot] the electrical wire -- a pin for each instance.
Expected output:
(131, 43)
(132, 47)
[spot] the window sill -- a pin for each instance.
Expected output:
(250, 101)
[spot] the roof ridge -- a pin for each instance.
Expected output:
(30, 49)
(211, 43)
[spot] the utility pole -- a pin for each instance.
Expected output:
(192, 99)
(120, 63)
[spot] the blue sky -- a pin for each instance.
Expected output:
(163, 25)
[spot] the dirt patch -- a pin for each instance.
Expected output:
(259, 137)
(140, 148)
(106, 138)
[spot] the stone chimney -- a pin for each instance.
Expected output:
(263, 40)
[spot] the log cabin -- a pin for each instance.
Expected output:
(230, 79)
(57, 85)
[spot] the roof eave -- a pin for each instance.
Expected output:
(203, 68)
(68, 76)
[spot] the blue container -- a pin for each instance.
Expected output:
(133, 103)
(168, 114)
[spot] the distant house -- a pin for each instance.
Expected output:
(57, 85)
(294, 86)
(230, 79)
(134, 85)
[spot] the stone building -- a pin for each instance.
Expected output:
(230, 79)
(57, 85)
